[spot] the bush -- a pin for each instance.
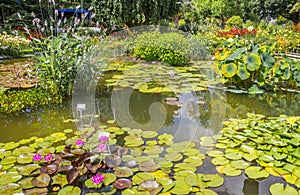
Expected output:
(18, 100)
(14, 46)
(172, 48)
(235, 22)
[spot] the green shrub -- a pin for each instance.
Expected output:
(14, 46)
(18, 100)
(235, 22)
(281, 20)
(172, 48)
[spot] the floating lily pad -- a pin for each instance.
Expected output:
(220, 160)
(174, 157)
(196, 161)
(11, 188)
(148, 166)
(22, 150)
(10, 177)
(214, 153)
(149, 134)
(90, 184)
(181, 187)
(121, 184)
(8, 160)
(113, 161)
(206, 192)
(239, 164)
(207, 141)
(229, 170)
(185, 166)
(28, 169)
(213, 180)
(11, 145)
(191, 152)
(167, 183)
(279, 189)
(151, 186)
(153, 149)
(70, 190)
(255, 172)
(140, 177)
(26, 183)
(233, 155)
(24, 159)
(59, 179)
(109, 178)
(123, 172)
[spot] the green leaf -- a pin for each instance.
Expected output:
(255, 172)
(213, 180)
(70, 190)
(279, 189)
(229, 70)
(252, 61)
(239, 164)
(243, 73)
(267, 60)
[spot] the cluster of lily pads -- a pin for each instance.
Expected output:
(154, 77)
(260, 146)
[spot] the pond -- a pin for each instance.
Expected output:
(186, 115)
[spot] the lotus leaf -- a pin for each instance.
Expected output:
(8, 160)
(167, 183)
(11, 188)
(184, 166)
(123, 172)
(28, 169)
(140, 177)
(26, 183)
(151, 186)
(243, 73)
(253, 62)
(22, 150)
(148, 166)
(239, 164)
(196, 161)
(279, 189)
(207, 141)
(255, 172)
(267, 60)
(214, 153)
(220, 161)
(70, 190)
(206, 192)
(229, 70)
(24, 159)
(213, 180)
(229, 170)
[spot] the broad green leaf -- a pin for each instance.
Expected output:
(279, 189)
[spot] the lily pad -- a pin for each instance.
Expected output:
(140, 177)
(70, 190)
(22, 150)
(121, 184)
(181, 187)
(28, 169)
(11, 188)
(185, 166)
(213, 180)
(148, 166)
(214, 153)
(26, 183)
(220, 161)
(109, 178)
(207, 141)
(174, 157)
(279, 189)
(151, 186)
(167, 183)
(233, 155)
(255, 172)
(113, 161)
(10, 177)
(42, 180)
(11, 145)
(123, 172)
(229, 170)
(239, 164)
(206, 192)
(149, 134)
(8, 160)
(196, 161)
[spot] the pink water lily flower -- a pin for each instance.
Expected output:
(48, 157)
(79, 143)
(37, 157)
(97, 179)
(103, 139)
(101, 147)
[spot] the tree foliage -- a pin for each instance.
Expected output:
(135, 12)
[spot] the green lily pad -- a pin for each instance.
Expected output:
(184, 166)
(24, 159)
(60, 179)
(250, 157)
(220, 161)
(255, 172)
(11, 188)
(109, 178)
(196, 161)
(148, 166)
(42, 180)
(8, 160)
(174, 157)
(123, 172)
(239, 164)
(90, 184)
(207, 141)
(230, 171)
(28, 169)
(214, 153)
(191, 152)
(149, 134)
(141, 177)
(206, 192)
(11, 145)
(279, 189)
(151, 186)
(26, 183)
(70, 190)
(167, 183)
(22, 150)
(10, 177)
(153, 149)
(233, 155)
(213, 180)
(165, 139)
(181, 187)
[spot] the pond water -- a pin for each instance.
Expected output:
(187, 116)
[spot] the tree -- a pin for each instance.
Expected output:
(135, 12)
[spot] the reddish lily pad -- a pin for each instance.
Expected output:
(121, 184)
(148, 166)
(113, 161)
(123, 172)
(42, 180)
(151, 186)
